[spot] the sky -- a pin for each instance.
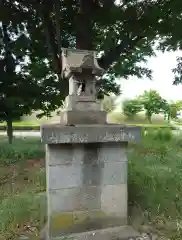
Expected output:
(162, 79)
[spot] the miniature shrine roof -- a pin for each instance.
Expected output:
(75, 60)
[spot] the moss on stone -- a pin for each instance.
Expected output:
(62, 221)
(84, 216)
(74, 222)
(81, 221)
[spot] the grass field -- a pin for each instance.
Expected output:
(140, 120)
(22, 123)
(155, 186)
(22, 180)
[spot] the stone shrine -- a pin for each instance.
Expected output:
(86, 160)
(80, 68)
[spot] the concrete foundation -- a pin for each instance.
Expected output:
(86, 177)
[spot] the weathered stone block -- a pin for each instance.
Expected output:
(77, 176)
(81, 103)
(108, 173)
(114, 173)
(72, 199)
(84, 106)
(60, 223)
(89, 198)
(64, 154)
(83, 117)
(62, 176)
(112, 152)
(92, 174)
(81, 216)
(81, 221)
(95, 133)
(114, 200)
(91, 151)
(96, 219)
(87, 220)
(62, 200)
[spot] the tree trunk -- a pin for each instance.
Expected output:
(149, 117)
(84, 25)
(9, 130)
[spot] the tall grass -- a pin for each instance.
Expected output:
(19, 212)
(155, 182)
(21, 149)
(155, 178)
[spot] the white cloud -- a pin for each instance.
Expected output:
(162, 79)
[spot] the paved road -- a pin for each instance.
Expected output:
(178, 130)
(22, 134)
(179, 127)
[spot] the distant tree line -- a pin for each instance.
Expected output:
(151, 103)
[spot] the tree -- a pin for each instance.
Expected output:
(179, 105)
(108, 103)
(20, 92)
(12, 85)
(171, 110)
(152, 103)
(124, 34)
(131, 107)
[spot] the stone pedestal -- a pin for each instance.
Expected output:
(86, 159)
(86, 177)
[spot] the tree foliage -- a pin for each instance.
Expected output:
(124, 34)
(23, 86)
(131, 107)
(13, 98)
(171, 110)
(152, 103)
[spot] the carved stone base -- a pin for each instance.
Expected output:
(83, 117)
(81, 103)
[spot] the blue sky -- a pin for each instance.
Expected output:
(162, 79)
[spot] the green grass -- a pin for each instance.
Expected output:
(155, 185)
(21, 149)
(20, 126)
(178, 123)
(22, 123)
(22, 180)
(155, 182)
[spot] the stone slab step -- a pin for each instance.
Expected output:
(115, 233)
